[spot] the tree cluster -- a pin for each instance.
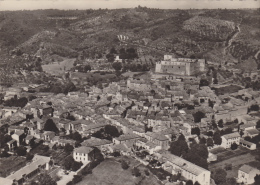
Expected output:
(50, 126)
(14, 102)
(108, 133)
(71, 164)
(198, 116)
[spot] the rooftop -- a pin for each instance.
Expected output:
(83, 149)
(246, 168)
(232, 135)
(186, 165)
(37, 160)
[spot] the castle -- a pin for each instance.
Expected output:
(180, 66)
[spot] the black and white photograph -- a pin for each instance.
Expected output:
(129, 92)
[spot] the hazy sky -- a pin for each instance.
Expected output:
(85, 4)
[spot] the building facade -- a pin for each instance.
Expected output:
(180, 66)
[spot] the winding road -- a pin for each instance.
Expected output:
(231, 39)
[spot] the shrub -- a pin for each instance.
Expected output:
(76, 179)
(124, 165)
(136, 172)
(234, 146)
(70, 183)
(147, 173)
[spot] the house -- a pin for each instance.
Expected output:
(158, 139)
(92, 128)
(96, 142)
(19, 137)
(28, 139)
(83, 154)
(229, 139)
(48, 135)
(246, 174)
(248, 126)
(11, 144)
(251, 133)
(8, 111)
(126, 138)
(247, 144)
(175, 165)
(38, 164)
(123, 149)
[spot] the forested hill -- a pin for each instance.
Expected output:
(218, 35)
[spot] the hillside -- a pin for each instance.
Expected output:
(217, 35)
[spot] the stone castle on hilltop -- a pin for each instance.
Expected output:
(180, 66)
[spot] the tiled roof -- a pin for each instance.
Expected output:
(252, 131)
(37, 160)
(127, 137)
(246, 168)
(184, 164)
(83, 149)
(95, 142)
(232, 135)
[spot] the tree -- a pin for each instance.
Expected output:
(196, 131)
(198, 116)
(234, 146)
(76, 179)
(210, 142)
(45, 179)
(241, 133)
(136, 172)
(76, 165)
(204, 82)
(87, 68)
(215, 81)
(211, 103)
(76, 136)
(220, 123)
(203, 140)
(21, 151)
(257, 179)
(124, 165)
(4, 154)
(217, 139)
(179, 147)
(117, 66)
(29, 156)
(50, 126)
(68, 148)
(228, 167)
(112, 131)
(219, 176)
(254, 108)
(196, 183)
(189, 182)
(258, 124)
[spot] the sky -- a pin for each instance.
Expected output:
(113, 4)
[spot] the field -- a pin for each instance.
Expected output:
(10, 164)
(227, 89)
(236, 158)
(58, 68)
(111, 172)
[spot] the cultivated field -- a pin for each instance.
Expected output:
(58, 68)
(111, 172)
(10, 164)
(236, 158)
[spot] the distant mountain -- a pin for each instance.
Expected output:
(212, 34)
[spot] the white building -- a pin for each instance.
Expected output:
(229, 139)
(246, 174)
(83, 154)
(175, 165)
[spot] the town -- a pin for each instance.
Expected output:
(167, 126)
